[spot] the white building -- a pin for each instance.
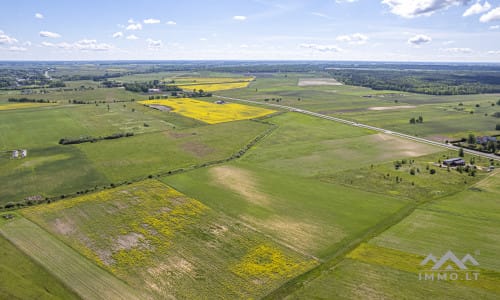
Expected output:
(15, 154)
(24, 153)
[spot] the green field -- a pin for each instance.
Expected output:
(289, 206)
(166, 245)
(442, 119)
(21, 278)
(79, 274)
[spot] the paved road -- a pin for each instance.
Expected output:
(394, 133)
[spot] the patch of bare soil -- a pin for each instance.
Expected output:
(64, 226)
(128, 241)
(241, 182)
(197, 148)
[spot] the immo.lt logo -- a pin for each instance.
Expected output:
(449, 267)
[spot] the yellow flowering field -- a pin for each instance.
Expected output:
(211, 113)
(11, 106)
(212, 84)
(167, 245)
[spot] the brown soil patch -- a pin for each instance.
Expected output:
(197, 148)
(178, 135)
(240, 181)
(128, 241)
(64, 226)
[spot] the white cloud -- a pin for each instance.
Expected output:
(27, 44)
(477, 8)
(38, 16)
(318, 14)
(239, 18)
(49, 34)
(203, 39)
(345, 1)
(494, 27)
(243, 46)
(457, 50)
(152, 44)
(83, 45)
(448, 42)
(5, 39)
(419, 39)
(132, 37)
(17, 49)
(118, 34)
(415, 8)
(322, 48)
(151, 21)
(492, 15)
(133, 25)
(496, 52)
(355, 39)
(171, 23)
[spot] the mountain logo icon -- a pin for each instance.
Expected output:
(448, 260)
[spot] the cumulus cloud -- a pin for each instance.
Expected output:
(38, 16)
(419, 39)
(356, 38)
(492, 15)
(239, 18)
(322, 48)
(152, 44)
(458, 50)
(17, 49)
(494, 52)
(416, 8)
(151, 21)
(118, 34)
(48, 34)
(83, 45)
(171, 23)
(5, 39)
(132, 37)
(133, 25)
(494, 27)
(477, 8)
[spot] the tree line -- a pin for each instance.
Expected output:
(90, 139)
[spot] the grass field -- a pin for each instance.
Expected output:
(73, 270)
(466, 222)
(209, 112)
(147, 154)
(166, 244)
(212, 84)
(444, 117)
(21, 278)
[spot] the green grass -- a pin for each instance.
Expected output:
(309, 146)
(69, 267)
(421, 186)
(147, 154)
(166, 244)
(353, 279)
(47, 172)
(441, 119)
(21, 278)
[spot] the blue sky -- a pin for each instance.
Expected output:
(384, 30)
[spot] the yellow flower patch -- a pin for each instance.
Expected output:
(209, 112)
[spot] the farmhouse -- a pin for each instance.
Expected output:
(220, 102)
(485, 139)
(154, 90)
(24, 153)
(15, 154)
(453, 162)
